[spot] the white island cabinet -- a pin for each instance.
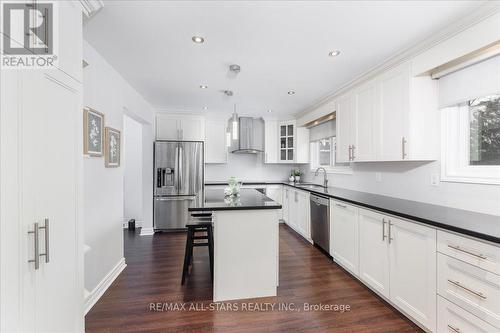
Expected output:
(246, 243)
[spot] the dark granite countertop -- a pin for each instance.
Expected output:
(479, 225)
(214, 199)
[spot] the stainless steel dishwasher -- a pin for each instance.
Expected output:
(320, 221)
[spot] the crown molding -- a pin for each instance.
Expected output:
(488, 9)
(91, 7)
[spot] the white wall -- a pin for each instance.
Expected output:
(248, 168)
(106, 91)
(132, 168)
(412, 181)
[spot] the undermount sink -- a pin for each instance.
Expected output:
(311, 186)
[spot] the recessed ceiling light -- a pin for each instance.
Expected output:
(198, 39)
(205, 107)
(291, 92)
(334, 53)
(203, 86)
(269, 110)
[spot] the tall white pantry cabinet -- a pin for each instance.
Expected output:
(41, 183)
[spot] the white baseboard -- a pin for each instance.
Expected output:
(101, 288)
(147, 231)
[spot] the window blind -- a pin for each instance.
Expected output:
(480, 79)
(322, 131)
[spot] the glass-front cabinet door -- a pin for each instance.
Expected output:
(287, 142)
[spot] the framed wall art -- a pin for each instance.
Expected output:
(93, 134)
(112, 147)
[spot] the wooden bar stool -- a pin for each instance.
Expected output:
(199, 222)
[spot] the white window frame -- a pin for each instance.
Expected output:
(331, 169)
(455, 150)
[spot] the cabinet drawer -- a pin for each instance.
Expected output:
(454, 319)
(470, 287)
(483, 255)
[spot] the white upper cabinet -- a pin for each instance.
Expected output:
(180, 127)
(365, 110)
(270, 141)
(393, 117)
(70, 39)
(344, 133)
(293, 143)
(215, 141)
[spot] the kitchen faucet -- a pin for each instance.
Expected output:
(325, 181)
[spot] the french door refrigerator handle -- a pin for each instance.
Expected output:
(36, 259)
(180, 171)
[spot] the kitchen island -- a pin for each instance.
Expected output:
(246, 243)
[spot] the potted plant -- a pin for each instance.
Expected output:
(297, 174)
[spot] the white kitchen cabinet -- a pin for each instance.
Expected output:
(393, 114)
(412, 249)
(298, 214)
(344, 235)
(398, 260)
(345, 132)
(293, 143)
(70, 39)
(374, 251)
(303, 214)
(364, 113)
(275, 192)
(48, 298)
(270, 141)
(215, 141)
(393, 117)
(285, 204)
(407, 109)
(180, 127)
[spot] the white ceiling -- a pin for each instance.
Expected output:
(280, 46)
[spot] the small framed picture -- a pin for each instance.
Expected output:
(93, 135)
(112, 147)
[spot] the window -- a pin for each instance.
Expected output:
(323, 155)
(471, 141)
(484, 119)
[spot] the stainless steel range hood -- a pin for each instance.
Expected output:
(250, 136)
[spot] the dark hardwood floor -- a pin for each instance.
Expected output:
(154, 273)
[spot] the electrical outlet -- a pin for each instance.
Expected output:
(434, 179)
(378, 177)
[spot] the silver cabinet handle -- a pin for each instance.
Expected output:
(296, 199)
(353, 148)
(458, 248)
(384, 222)
(403, 147)
(454, 329)
(390, 232)
(350, 153)
(340, 205)
(47, 245)
(476, 293)
(36, 259)
(182, 134)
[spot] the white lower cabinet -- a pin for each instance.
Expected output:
(398, 260)
(374, 251)
(344, 244)
(296, 211)
(412, 259)
(275, 192)
(454, 319)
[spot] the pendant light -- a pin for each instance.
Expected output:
(228, 137)
(235, 124)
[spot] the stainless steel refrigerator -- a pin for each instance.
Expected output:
(178, 176)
